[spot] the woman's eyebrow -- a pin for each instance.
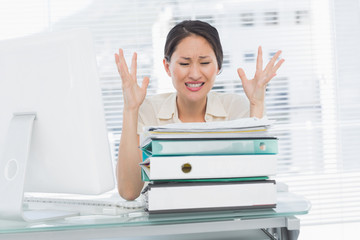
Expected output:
(189, 58)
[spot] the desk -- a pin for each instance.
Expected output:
(244, 224)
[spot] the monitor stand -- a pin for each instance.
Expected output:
(13, 164)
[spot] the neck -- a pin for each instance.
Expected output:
(191, 111)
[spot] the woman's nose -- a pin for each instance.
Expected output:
(195, 73)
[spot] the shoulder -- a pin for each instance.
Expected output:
(155, 106)
(155, 102)
(158, 99)
(229, 98)
(235, 105)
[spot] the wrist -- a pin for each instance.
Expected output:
(257, 110)
(130, 109)
(130, 115)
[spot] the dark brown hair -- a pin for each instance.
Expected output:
(193, 27)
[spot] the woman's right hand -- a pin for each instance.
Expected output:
(134, 95)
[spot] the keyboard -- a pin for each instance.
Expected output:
(108, 205)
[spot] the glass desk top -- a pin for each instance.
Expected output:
(288, 204)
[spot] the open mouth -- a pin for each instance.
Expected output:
(194, 85)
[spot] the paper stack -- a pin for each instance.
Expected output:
(209, 166)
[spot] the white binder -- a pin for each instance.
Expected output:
(215, 166)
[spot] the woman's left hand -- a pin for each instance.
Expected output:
(255, 88)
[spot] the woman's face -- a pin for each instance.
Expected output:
(193, 68)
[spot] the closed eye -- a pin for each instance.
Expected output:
(184, 64)
(205, 62)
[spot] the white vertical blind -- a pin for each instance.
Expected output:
(314, 98)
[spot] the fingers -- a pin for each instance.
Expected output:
(259, 61)
(123, 68)
(270, 65)
(270, 70)
(117, 61)
(145, 83)
(278, 65)
(242, 75)
(133, 66)
(121, 64)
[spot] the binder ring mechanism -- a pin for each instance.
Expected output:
(186, 168)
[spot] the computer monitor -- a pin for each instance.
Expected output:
(53, 135)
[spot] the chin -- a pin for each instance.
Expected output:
(196, 96)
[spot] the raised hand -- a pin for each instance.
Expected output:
(133, 94)
(255, 88)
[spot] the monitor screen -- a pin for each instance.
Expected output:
(55, 76)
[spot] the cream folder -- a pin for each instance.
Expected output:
(216, 166)
(177, 197)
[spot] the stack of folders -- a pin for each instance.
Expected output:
(209, 166)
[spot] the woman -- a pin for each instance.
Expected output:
(192, 58)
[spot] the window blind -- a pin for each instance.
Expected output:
(314, 98)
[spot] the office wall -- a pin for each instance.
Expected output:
(314, 97)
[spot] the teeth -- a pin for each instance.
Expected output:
(193, 85)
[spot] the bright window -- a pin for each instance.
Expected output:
(314, 98)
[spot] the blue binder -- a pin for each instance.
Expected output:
(183, 147)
